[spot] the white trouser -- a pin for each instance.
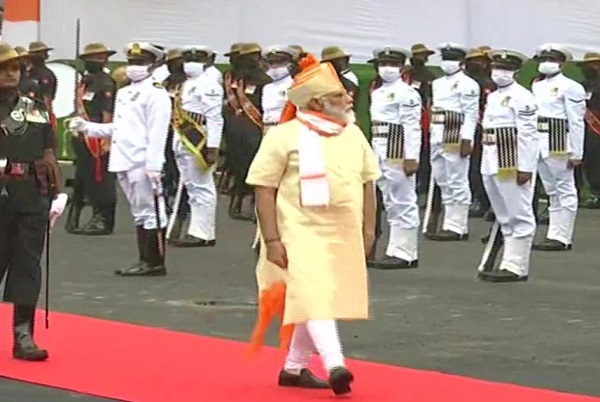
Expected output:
(140, 196)
(202, 196)
(401, 205)
(451, 173)
(559, 183)
(319, 335)
(512, 205)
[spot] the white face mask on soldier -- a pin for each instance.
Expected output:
(193, 69)
(389, 73)
(450, 67)
(503, 78)
(549, 67)
(277, 73)
(137, 73)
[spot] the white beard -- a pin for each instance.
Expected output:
(347, 116)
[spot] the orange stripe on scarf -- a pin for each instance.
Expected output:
(271, 303)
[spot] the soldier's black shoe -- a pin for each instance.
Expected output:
(99, 225)
(306, 379)
(446, 235)
(489, 216)
(24, 347)
(73, 217)
(389, 262)
(143, 269)
(192, 241)
(552, 245)
(339, 380)
(501, 276)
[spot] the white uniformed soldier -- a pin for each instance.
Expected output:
(508, 166)
(274, 96)
(139, 133)
(396, 127)
(454, 114)
(199, 128)
(561, 110)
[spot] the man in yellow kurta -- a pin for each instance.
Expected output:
(315, 199)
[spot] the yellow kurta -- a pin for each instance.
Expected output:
(326, 276)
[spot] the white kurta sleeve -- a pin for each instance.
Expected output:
(158, 115)
(575, 109)
(469, 102)
(410, 118)
(526, 120)
(97, 130)
(212, 104)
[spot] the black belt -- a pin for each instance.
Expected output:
(557, 130)
(394, 133)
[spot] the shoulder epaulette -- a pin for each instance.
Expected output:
(158, 85)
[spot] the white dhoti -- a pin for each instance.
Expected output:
(202, 196)
(512, 205)
(559, 183)
(401, 205)
(451, 173)
(140, 196)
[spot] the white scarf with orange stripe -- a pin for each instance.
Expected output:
(314, 187)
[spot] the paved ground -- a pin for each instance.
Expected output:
(542, 333)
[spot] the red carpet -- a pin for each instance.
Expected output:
(141, 364)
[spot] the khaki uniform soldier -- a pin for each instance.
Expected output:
(27, 86)
(95, 102)
(561, 111)
(42, 75)
(508, 167)
(340, 60)
(396, 139)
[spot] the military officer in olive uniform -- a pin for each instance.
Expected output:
(30, 199)
(27, 86)
(95, 102)
(340, 60)
(42, 75)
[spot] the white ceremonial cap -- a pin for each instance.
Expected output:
(279, 49)
(453, 46)
(198, 49)
(554, 48)
(135, 49)
(390, 52)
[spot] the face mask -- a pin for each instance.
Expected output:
(278, 73)
(549, 67)
(193, 69)
(503, 78)
(137, 73)
(389, 74)
(93, 67)
(450, 67)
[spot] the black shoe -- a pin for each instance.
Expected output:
(489, 216)
(552, 245)
(142, 269)
(192, 241)
(393, 263)
(446, 235)
(477, 210)
(306, 379)
(501, 276)
(73, 218)
(339, 380)
(24, 347)
(99, 225)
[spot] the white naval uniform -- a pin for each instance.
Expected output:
(214, 72)
(274, 99)
(561, 97)
(161, 73)
(202, 95)
(509, 108)
(139, 133)
(398, 103)
(457, 93)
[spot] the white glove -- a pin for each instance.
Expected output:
(77, 125)
(58, 207)
(155, 179)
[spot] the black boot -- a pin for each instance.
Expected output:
(24, 347)
(141, 245)
(110, 212)
(73, 217)
(100, 223)
(176, 230)
(154, 260)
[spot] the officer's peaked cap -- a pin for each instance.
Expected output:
(390, 53)
(507, 58)
(554, 50)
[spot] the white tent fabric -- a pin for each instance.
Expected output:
(357, 25)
